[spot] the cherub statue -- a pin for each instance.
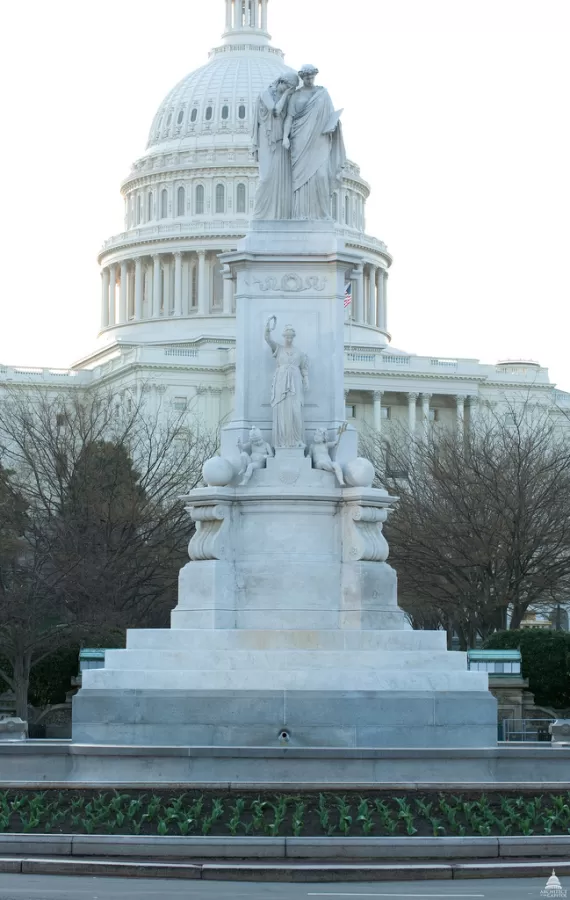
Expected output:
(254, 454)
(320, 452)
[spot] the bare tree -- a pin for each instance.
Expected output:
(481, 532)
(105, 531)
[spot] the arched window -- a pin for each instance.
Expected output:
(164, 204)
(180, 117)
(240, 198)
(220, 198)
(194, 115)
(149, 207)
(200, 200)
(241, 111)
(225, 112)
(347, 209)
(209, 113)
(169, 120)
(181, 201)
(334, 207)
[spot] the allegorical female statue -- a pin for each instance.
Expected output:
(313, 133)
(274, 196)
(290, 382)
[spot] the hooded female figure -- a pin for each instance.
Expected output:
(273, 199)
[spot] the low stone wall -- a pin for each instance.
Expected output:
(61, 763)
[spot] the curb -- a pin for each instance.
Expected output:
(276, 873)
(294, 850)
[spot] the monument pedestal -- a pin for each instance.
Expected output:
(287, 630)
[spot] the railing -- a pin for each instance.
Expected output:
(517, 730)
(443, 363)
(176, 351)
(395, 360)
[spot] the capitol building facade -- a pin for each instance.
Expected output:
(167, 304)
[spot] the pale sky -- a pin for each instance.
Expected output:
(456, 110)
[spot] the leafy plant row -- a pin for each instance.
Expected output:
(282, 814)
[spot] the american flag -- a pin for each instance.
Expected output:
(347, 295)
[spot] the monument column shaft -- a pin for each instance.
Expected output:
(264, 15)
(385, 301)
(359, 292)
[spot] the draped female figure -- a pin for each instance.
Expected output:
(290, 382)
(274, 196)
(313, 133)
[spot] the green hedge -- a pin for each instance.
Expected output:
(545, 662)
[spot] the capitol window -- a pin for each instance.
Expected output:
(139, 209)
(240, 198)
(225, 112)
(194, 115)
(334, 210)
(220, 198)
(241, 111)
(164, 204)
(180, 117)
(209, 113)
(200, 200)
(181, 201)
(347, 209)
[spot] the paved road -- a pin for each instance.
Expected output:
(43, 887)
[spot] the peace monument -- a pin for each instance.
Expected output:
(287, 628)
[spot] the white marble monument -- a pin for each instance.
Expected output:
(287, 618)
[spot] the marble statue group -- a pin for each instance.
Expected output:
(300, 148)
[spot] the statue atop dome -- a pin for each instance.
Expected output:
(299, 144)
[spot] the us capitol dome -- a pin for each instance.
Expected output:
(190, 196)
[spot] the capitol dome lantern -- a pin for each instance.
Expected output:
(190, 197)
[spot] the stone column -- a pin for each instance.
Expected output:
(460, 408)
(112, 292)
(253, 16)
(425, 413)
(203, 298)
(473, 410)
(228, 291)
(123, 292)
(156, 287)
(105, 297)
(229, 15)
(138, 288)
(178, 283)
(264, 15)
(412, 413)
(380, 298)
(372, 295)
(377, 397)
(385, 303)
(358, 299)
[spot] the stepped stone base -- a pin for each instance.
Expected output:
(325, 688)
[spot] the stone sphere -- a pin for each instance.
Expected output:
(359, 472)
(217, 472)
